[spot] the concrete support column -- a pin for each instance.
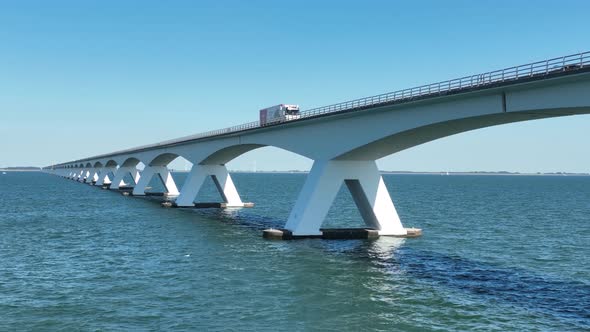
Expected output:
(222, 180)
(135, 175)
(146, 177)
(366, 186)
(78, 175)
(83, 175)
(90, 175)
(103, 175)
(120, 175)
(93, 176)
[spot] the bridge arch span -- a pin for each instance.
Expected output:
(120, 168)
(392, 129)
(106, 172)
(226, 154)
(130, 162)
(399, 141)
(162, 159)
(156, 165)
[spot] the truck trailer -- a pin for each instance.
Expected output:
(279, 113)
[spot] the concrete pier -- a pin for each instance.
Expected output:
(413, 232)
(155, 194)
(336, 234)
(125, 188)
(212, 205)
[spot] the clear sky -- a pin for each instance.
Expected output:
(80, 78)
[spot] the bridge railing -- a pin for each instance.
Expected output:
(535, 69)
(541, 68)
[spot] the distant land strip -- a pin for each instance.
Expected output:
(20, 169)
(37, 169)
(426, 173)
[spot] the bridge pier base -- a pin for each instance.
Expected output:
(147, 175)
(222, 179)
(364, 183)
(120, 175)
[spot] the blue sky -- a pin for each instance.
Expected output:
(80, 78)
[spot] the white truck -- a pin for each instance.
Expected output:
(279, 113)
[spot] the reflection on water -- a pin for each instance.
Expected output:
(384, 248)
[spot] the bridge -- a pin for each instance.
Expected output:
(344, 140)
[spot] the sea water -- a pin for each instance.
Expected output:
(498, 253)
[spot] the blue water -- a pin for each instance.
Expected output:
(499, 253)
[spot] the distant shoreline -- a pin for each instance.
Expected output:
(20, 169)
(501, 173)
(488, 173)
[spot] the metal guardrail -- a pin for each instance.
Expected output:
(538, 69)
(535, 69)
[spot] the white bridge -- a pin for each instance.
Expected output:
(346, 139)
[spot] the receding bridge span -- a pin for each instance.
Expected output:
(344, 140)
